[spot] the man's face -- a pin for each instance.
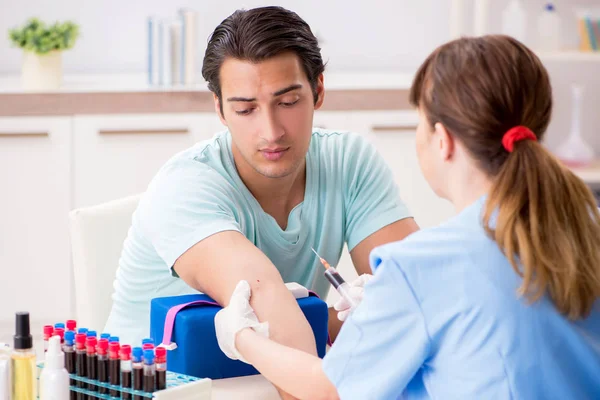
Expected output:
(268, 108)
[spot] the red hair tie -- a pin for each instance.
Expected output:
(516, 134)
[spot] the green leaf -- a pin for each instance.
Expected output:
(41, 38)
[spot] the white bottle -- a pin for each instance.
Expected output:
(549, 30)
(5, 352)
(514, 20)
(54, 380)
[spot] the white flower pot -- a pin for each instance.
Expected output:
(41, 72)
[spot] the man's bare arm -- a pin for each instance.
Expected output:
(216, 264)
(390, 233)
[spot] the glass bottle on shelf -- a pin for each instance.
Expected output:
(574, 151)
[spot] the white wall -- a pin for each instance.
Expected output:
(359, 34)
(376, 35)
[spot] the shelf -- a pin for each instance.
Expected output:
(137, 82)
(590, 174)
(570, 56)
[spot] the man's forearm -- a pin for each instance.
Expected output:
(273, 302)
(211, 267)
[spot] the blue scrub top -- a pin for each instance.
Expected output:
(441, 319)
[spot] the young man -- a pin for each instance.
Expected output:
(250, 203)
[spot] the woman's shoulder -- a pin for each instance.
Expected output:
(444, 240)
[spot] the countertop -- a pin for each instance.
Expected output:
(130, 93)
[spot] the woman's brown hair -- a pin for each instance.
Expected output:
(543, 217)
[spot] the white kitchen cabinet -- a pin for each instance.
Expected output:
(334, 120)
(35, 198)
(117, 155)
(393, 133)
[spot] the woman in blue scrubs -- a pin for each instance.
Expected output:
(499, 302)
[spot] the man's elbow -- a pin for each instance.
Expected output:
(268, 288)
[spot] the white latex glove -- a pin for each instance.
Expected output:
(235, 317)
(356, 291)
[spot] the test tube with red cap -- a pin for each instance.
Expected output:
(60, 332)
(81, 363)
(114, 366)
(125, 354)
(71, 325)
(102, 364)
(161, 368)
(48, 330)
(92, 361)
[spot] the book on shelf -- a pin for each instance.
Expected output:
(172, 43)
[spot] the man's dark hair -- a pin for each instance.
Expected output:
(258, 34)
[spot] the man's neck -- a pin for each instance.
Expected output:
(276, 196)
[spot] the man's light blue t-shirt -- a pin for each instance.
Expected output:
(441, 319)
(350, 194)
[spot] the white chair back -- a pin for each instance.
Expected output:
(97, 236)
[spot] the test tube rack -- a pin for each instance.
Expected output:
(179, 386)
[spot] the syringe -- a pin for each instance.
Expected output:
(337, 281)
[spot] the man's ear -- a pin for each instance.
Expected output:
(218, 109)
(446, 141)
(320, 92)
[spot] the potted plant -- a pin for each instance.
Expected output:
(42, 51)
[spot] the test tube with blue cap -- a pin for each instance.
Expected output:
(149, 371)
(105, 336)
(337, 281)
(82, 330)
(59, 325)
(138, 370)
(113, 339)
(70, 359)
(91, 334)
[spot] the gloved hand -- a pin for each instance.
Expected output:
(235, 317)
(356, 291)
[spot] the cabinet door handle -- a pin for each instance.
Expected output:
(174, 131)
(394, 128)
(7, 134)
